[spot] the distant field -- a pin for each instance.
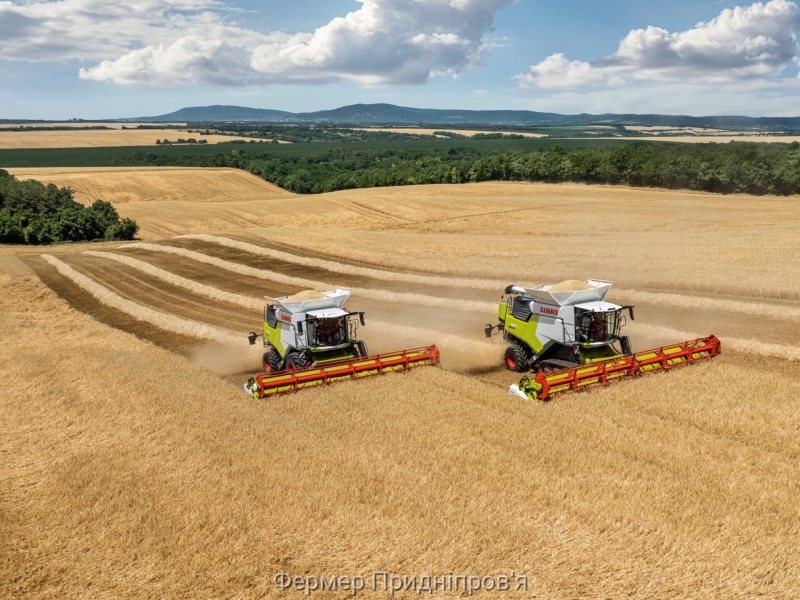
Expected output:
(98, 138)
(720, 138)
(467, 132)
(663, 128)
(142, 184)
(79, 124)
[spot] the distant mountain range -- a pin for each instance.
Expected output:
(391, 114)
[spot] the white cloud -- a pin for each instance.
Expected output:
(97, 29)
(741, 43)
(165, 42)
(385, 41)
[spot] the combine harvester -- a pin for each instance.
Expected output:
(568, 334)
(311, 339)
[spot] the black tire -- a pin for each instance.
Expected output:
(298, 361)
(362, 349)
(516, 359)
(271, 361)
(554, 364)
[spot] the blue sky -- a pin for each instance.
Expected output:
(101, 59)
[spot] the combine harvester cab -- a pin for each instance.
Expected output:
(571, 337)
(312, 339)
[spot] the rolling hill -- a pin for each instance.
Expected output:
(393, 114)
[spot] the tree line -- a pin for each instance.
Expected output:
(34, 213)
(735, 167)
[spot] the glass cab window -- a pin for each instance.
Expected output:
(327, 332)
(596, 327)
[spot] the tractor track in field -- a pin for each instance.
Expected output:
(467, 286)
(81, 300)
(159, 295)
(349, 275)
(434, 318)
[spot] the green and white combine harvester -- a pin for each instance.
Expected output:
(571, 337)
(312, 339)
(567, 333)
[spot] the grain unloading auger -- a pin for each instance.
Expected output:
(569, 335)
(311, 339)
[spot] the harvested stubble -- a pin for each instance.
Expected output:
(420, 299)
(193, 286)
(656, 298)
(143, 313)
(480, 351)
(337, 267)
(660, 487)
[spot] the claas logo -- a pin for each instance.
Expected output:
(286, 318)
(548, 311)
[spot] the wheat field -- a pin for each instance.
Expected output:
(134, 466)
(95, 138)
(120, 185)
(82, 124)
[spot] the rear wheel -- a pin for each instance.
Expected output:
(516, 359)
(271, 361)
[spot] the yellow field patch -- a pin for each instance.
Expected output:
(100, 138)
(146, 184)
(429, 131)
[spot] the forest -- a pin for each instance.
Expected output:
(32, 213)
(735, 167)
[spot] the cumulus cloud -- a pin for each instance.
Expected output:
(96, 29)
(385, 41)
(164, 42)
(741, 43)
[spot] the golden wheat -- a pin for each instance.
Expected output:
(749, 347)
(120, 185)
(657, 298)
(99, 138)
(683, 301)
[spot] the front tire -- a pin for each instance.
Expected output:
(516, 359)
(298, 361)
(271, 361)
